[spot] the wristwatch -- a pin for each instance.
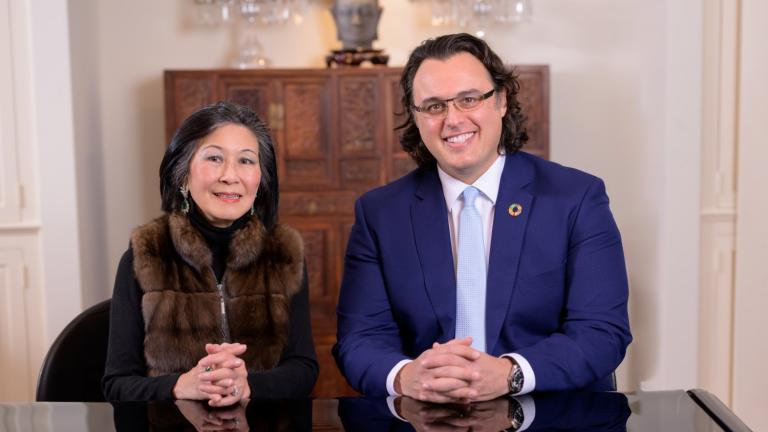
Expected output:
(515, 377)
(516, 415)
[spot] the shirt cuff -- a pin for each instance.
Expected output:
(529, 411)
(529, 378)
(393, 373)
(391, 406)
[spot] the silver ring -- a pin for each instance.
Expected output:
(235, 392)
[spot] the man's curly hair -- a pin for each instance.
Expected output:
(513, 133)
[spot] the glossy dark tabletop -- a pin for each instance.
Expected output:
(642, 411)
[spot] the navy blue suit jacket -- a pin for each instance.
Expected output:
(556, 287)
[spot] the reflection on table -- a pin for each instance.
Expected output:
(603, 411)
(288, 415)
(606, 411)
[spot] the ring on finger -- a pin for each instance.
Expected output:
(235, 391)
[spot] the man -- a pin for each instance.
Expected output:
(457, 293)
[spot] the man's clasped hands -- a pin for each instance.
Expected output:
(454, 372)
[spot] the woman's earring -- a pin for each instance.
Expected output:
(253, 206)
(185, 203)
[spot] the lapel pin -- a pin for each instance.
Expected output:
(515, 210)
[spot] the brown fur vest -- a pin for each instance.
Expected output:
(181, 304)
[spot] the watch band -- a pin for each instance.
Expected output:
(515, 377)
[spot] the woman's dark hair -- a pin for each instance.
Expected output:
(174, 169)
(513, 134)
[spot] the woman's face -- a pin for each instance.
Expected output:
(224, 174)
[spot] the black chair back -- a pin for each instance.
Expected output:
(74, 365)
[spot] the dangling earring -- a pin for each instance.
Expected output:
(253, 206)
(185, 203)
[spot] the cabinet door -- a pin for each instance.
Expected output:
(324, 243)
(317, 170)
(185, 93)
(256, 92)
(306, 156)
(360, 103)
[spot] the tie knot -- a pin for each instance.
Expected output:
(470, 194)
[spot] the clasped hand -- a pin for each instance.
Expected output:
(220, 377)
(482, 416)
(454, 372)
(202, 418)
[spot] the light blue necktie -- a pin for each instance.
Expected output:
(471, 273)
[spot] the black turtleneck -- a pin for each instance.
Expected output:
(217, 238)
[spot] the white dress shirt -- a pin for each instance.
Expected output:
(488, 185)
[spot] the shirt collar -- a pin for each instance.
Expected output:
(488, 183)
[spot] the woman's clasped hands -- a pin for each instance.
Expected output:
(220, 377)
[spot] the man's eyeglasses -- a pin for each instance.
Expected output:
(463, 102)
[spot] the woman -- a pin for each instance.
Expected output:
(210, 300)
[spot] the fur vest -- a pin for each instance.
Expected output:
(181, 303)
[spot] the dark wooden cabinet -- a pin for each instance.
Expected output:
(335, 139)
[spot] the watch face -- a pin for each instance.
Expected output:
(516, 415)
(515, 381)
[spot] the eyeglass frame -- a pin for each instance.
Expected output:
(481, 98)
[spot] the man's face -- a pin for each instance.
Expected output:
(464, 143)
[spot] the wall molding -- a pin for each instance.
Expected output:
(718, 216)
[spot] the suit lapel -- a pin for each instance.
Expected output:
(429, 216)
(506, 242)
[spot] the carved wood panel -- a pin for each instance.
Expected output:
(534, 100)
(335, 139)
(321, 247)
(360, 171)
(185, 92)
(305, 111)
(358, 99)
(400, 163)
(254, 93)
(307, 156)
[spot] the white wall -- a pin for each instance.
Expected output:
(41, 255)
(86, 110)
(750, 350)
(50, 133)
(625, 105)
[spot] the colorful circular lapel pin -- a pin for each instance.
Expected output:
(515, 210)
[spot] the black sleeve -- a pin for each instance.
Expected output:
(296, 373)
(126, 369)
